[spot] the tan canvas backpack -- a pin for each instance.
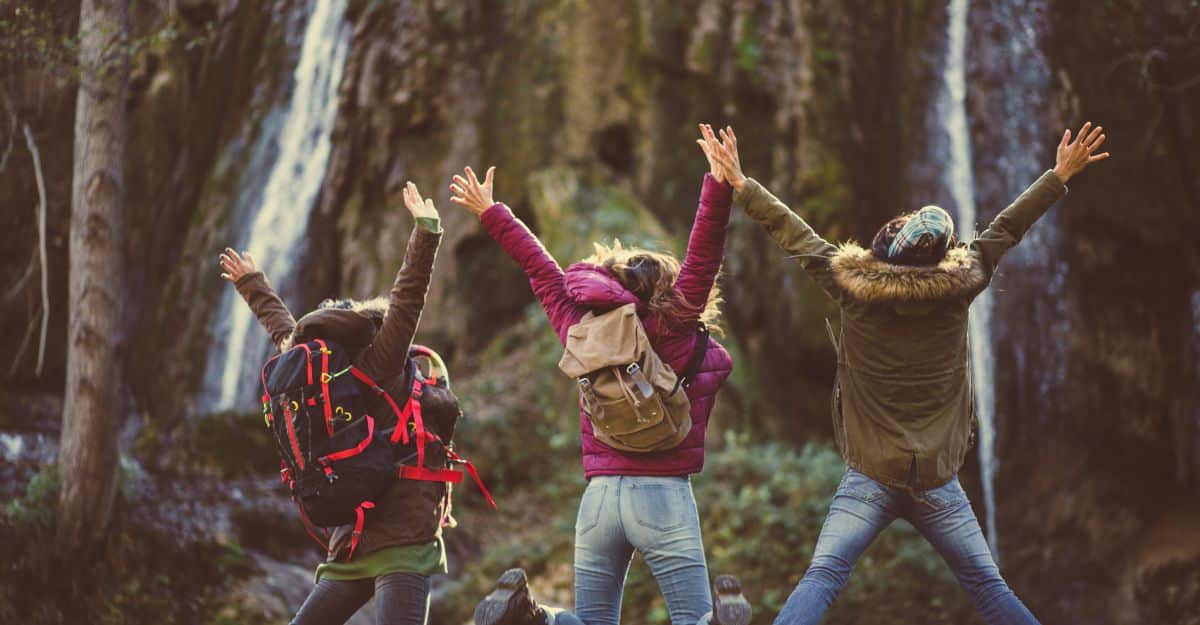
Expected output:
(633, 399)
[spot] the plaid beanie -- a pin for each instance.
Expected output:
(921, 238)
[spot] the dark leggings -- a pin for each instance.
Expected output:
(400, 599)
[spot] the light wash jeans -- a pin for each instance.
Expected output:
(862, 508)
(654, 515)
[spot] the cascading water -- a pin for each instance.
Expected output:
(295, 179)
(960, 182)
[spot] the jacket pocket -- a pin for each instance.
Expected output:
(839, 418)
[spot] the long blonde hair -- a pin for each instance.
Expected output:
(651, 277)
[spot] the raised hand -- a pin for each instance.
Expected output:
(726, 154)
(235, 266)
(1074, 156)
(708, 143)
(418, 206)
(468, 191)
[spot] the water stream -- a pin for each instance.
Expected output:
(959, 180)
(280, 219)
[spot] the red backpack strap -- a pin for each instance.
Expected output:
(291, 431)
(412, 410)
(408, 472)
(325, 378)
(359, 515)
(401, 415)
(457, 459)
(307, 359)
(413, 407)
(352, 451)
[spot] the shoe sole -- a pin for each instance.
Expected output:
(730, 607)
(494, 608)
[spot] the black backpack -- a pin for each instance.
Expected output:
(335, 457)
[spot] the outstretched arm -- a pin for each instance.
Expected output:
(388, 353)
(787, 228)
(264, 302)
(1007, 229)
(545, 276)
(706, 245)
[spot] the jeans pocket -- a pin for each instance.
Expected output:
(662, 507)
(589, 508)
(860, 487)
(948, 495)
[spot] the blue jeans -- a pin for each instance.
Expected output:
(654, 515)
(862, 508)
(400, 599)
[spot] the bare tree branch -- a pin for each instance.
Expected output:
(16, 362)
(41, 225)
(19, 285)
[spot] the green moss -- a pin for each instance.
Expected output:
(749, 54)
(573, 210)
(226, 445)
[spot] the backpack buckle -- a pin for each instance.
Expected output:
(633, 368)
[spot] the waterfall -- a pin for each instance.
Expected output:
(960, 182)
(281, 217)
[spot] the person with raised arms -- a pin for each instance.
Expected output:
(635, 327)
(902, 405)
(392, 555)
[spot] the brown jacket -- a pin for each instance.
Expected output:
(410, 512)
(902, 405)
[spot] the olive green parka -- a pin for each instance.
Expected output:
(902, 402)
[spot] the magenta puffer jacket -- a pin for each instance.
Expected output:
(567, 297)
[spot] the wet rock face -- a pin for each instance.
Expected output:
(1093, 326)
(614, 91)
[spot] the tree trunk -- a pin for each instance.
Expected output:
(92, 406)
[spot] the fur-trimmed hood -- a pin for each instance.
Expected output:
(870, 280)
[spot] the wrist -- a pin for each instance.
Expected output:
(737, 182)
(1062, 173)
(430, 223)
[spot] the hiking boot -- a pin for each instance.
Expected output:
(510, 603)
(729, 605)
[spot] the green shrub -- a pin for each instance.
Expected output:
(762, 507)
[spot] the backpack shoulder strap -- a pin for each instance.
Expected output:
(693, 365)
